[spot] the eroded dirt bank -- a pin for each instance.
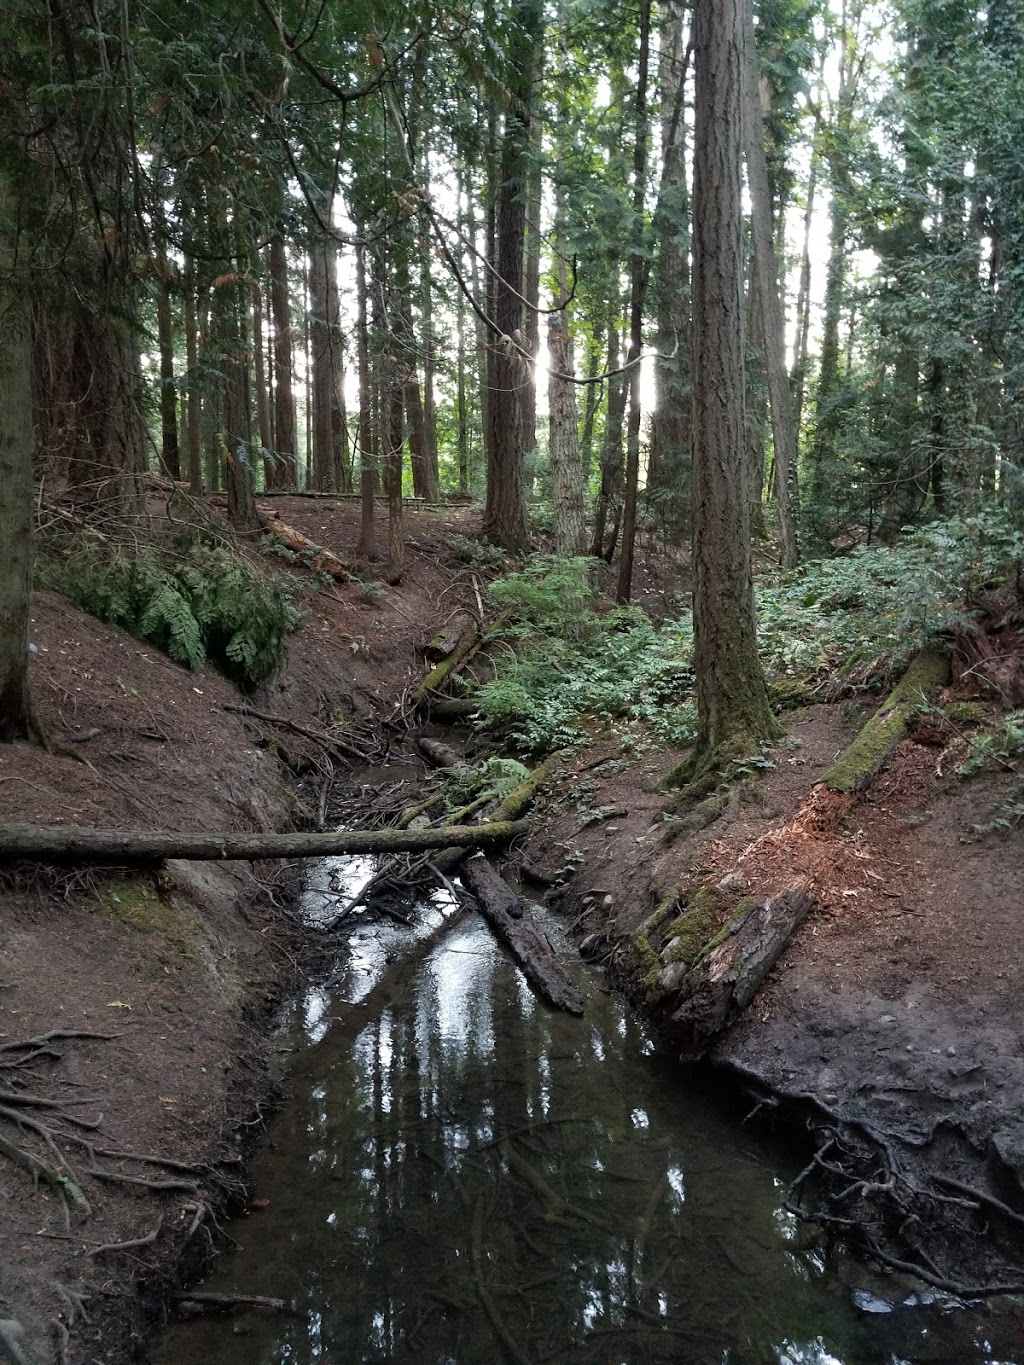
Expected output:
(891, 1025)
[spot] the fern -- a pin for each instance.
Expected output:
(194, 600)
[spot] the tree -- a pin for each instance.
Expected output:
(508, 372)
(17, 719)
(732, 700)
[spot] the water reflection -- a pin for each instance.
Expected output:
(465, 1176)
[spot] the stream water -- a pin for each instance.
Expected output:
(462, 1176)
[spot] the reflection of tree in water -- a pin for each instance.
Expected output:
(466, 1176)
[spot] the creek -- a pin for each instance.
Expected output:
(460, 1175)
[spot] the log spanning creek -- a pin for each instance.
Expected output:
(462, 1175)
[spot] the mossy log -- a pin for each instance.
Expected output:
(857, 765)
(447, 639)
(510, 917)
(117, 848)
(732, 968)
(441, 672)
(518, 801)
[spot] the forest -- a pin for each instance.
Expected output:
(571, 454)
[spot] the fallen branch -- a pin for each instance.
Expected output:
(76, 844)
(231, 1301)
(317, 736)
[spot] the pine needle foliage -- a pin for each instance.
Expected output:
(196, 601)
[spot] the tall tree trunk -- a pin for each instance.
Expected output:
(611, 450)
(765, 279)
(732, 700)
(638, 285)
(259, 372)
(366, 549)
(17, 719)
(195, 399)
(325, 338)
(170, 452)
(238, 410)
(285, 449)
(668, 479)
(798, 378)
(591, 401)
(509, 374)
(531, 270)
(564, 449)
(394, 440)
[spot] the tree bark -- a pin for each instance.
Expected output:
(195, 400)
(260, 374)
(284, 399)
(75, 844)
(394, 434)
(367, 462)
(17, 719)
(508, 373)
(732, 700)
(638, 289)
(726, 978)
(611, 449)
(563, 439)
(668, 480)
(765, 280)
(169, 449)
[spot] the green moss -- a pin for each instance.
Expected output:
(857, 764)
(689, 931)
(963, 713)
(647, 959)
(786, 694)
(136, 904)
(739, 916)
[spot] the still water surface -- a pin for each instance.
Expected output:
(463, 1176)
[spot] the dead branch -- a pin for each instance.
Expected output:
(228, 1302)
(317, 736)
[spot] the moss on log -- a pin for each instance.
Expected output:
(518, 800)
(855, 767)
(118, 848)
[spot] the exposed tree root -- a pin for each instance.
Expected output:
(133, 1244)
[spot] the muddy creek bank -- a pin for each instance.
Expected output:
(461, 1174)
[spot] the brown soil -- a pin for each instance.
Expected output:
(895, 999)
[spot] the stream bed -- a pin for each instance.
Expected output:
(460, 1176)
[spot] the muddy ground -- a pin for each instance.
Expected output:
(895, 1005)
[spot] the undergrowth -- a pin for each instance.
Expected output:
(1002, 747)
(197, 600)
(828, 628)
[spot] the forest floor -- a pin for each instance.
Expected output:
(897, 1000)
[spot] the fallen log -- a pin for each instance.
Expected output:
(733, 967)
(450, 710)
(442, 755)
(857, 765)
(466, 646)
(510, 918)
(115, 847)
